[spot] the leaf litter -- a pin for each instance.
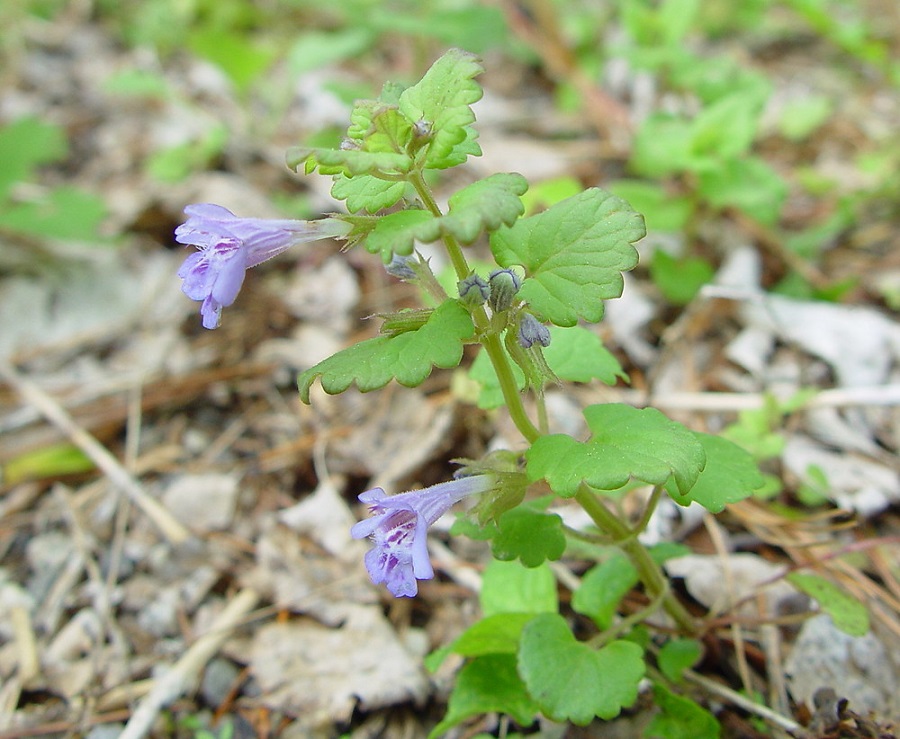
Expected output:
(220, 540)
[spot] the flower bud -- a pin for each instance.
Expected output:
(531, 331)
(504, 285)
(400, 267)
(473, 290)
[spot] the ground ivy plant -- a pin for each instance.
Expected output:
(528, 314)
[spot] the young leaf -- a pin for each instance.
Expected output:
(679, 280)
(603, 588)
(397, 233)
(678, 655)
(577, 354)
(377, 127)
(349, 162)
(24, 145)
(65, 213)
(497, 634)
(441, 101)
(730, 475)
(574, 354)
(626, 443)
(510, 587)
(848, 614)
(680, 718)
(573, 254)
(365, 192)
(569, 680)
(483, 205)
(407, 357)
(488, 684)
(529, 536)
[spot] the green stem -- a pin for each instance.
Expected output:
(489, 339)
(652, 502)
(650, 573)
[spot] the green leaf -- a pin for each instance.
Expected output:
(497, 634)
(529, 536)
(575, 353)
(407, 357)
(848, 614)
(678, 655)
(349, 162)
(442, 100)
(730, 475)
(800, 117)
(571, 681)
(65, 213)
(627, 443)
(748, 184)
(725, 129)
(397, 233)
(365, 192)
(376, 127)
(486, 204)
(318, 49)
(510, 587)
(25, 144)
(662, 210)
(47, 461)
(578, 355)
(241, 60)
(680, 718)
(603, 588)
(573, 254)
(488, 684)
(661, 146)
(679, 280)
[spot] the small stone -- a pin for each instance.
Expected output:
(218, 679)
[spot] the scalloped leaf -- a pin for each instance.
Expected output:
(377, 127)
(487, 684)
(627, 443)
(731, 474)
(397, 233)
(572, 681)
(485, 204)
(578, 355)
(574, 254)
(603, 588)
(407, 358)
(348, 162)
(529, 536)
(442, 100)
(365, 192)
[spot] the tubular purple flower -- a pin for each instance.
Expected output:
(229, 245)
(399, 530)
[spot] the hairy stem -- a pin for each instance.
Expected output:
(490, 340)
(650, 573)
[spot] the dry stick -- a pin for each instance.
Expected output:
(174, 531)
(879, 395)
(732, 696)
(184, 672)
(715, 534)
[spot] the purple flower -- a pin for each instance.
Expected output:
(399, 530)
(229, 246)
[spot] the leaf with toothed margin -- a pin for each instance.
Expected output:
(406, 357)
(441, 101)
(573, 253)
(627, 443)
